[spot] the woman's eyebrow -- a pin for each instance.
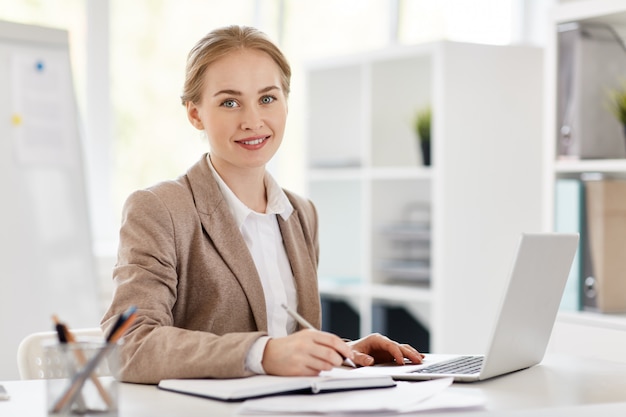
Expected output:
(239, 93)
(268, 88)
(228, 92)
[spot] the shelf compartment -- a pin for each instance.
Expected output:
(400, 211)
(340, 317)
(335, 127)
(401, 87)
(341, 254)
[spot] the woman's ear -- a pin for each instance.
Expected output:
(192, 115)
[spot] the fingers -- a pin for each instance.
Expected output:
(306, 352)
(383, 349)
(333, 342)
(328, 349)
(411, 354)
(396, 351)
(363, 359)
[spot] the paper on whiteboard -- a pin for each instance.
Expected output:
(41, 110)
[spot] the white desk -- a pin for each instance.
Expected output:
(560, 386)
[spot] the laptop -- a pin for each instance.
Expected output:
(525, 320)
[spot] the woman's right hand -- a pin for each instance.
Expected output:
(304, 353)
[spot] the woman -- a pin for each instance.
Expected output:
(210, 257)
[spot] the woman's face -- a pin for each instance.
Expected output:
(243, 110)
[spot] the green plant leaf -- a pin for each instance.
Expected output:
(422, 124)
(618, 103)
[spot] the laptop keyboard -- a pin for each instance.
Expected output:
(460, 365)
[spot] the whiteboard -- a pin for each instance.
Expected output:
(46, 260)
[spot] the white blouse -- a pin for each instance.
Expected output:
(262, 235)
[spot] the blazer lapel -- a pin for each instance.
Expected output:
(225, 237)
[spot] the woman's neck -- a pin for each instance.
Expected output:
(247, 184)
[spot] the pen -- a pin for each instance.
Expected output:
(308, 325)
(122, 320)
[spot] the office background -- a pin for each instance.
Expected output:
(128, 64)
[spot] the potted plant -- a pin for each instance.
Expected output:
(618, 104)
(423, 131)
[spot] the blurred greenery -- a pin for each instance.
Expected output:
(618, 103)
(422, 124)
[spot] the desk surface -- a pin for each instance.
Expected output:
(559, 386)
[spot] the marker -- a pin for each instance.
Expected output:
(308, 325)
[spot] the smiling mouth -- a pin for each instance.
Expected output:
(257, 141)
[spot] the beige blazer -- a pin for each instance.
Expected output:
(183, 262)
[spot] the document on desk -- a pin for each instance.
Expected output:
(405, 397)
(239, 389)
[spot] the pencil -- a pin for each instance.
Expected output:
(304, 323)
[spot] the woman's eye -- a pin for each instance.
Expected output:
(267, 99)
(229, 103)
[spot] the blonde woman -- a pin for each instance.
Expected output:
(210, 257)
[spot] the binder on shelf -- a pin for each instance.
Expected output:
(410, 252)
(410, 240)
(605, 287)
(591, 61)
(570, 218)
(406, 270)
(407, 232)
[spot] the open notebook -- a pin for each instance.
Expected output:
(239, 389)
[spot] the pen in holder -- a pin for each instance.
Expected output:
(77, 398)
(82, 379)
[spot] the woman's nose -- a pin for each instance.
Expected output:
(252, 119)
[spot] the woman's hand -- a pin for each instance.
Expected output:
(376, 348)
(304, 353)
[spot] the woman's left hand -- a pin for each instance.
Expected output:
(376, 348)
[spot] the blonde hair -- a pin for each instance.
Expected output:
(220, 42)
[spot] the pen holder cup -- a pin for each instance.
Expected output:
(80, 379)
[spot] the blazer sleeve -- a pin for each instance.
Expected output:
(146, 275)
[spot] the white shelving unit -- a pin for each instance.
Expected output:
(484, 187)
(584, 331)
